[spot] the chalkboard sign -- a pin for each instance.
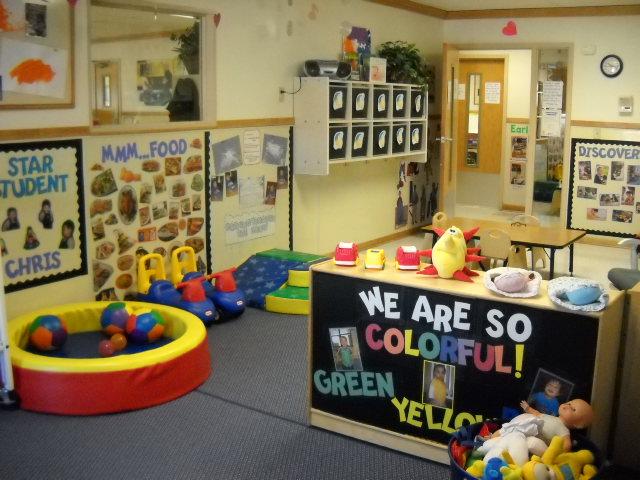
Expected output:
(423, 363)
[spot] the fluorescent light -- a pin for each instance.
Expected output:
(182, 16)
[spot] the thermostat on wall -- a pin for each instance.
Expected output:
(625, 104)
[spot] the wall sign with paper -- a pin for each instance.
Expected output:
(42, 232)
(36, 54)
(605, 186)
(147, 194)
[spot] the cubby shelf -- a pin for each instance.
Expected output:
(352, 121)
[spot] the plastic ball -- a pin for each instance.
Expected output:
(114, 318)
(106, 348)
(145, 325)
(47, 332)
(119, 341)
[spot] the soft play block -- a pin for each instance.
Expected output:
(293, 300)
(291, 256)
(299, 278)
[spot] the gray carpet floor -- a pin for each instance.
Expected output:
(247, 421)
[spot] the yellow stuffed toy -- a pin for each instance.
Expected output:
(450, 255)
(559, 465)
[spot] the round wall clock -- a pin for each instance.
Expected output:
(611, 66)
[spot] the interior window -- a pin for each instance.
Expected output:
(145, 64)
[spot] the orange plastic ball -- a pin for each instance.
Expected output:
(119, 341)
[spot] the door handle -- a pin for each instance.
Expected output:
(444, 139)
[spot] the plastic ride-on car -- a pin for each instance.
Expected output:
(408, 257)
(346, 254)
(374, 259)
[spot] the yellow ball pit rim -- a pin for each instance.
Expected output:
(83, 317)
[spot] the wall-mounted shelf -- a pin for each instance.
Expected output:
(352, 121)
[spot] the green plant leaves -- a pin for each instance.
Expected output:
(404, 63)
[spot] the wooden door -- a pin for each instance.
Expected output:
(448, 127)
(106, 109)
(480, 115)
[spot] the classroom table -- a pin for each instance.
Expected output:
(553, 238)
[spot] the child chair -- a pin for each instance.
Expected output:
(537, 253)
(439, 220)
(495, 244)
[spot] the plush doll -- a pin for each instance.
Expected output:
(556, 464)
(450, 253)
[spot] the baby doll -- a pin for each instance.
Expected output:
(533, 431)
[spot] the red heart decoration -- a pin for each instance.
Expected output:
(510, 28)
(216, 19)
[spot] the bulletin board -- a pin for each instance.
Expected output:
(145, 194)
(605, 187)
(249, 191)
(42, 230)
(376, 348)
(36, 54)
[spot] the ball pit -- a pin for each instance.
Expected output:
(91, 386)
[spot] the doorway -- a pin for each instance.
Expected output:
(106, 104)
(480, 97)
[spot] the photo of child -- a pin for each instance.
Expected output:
(345, 348)
(622, 216)
(617, 171)
(596, 214)
(584, 170)
(548, 392)
(601, 174)
(438, 384)
(587, 192)
(628, 195)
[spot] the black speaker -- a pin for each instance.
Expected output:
(327, 68)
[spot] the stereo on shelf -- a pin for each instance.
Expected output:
(327, 68)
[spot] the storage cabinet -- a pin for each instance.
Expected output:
(349, 121)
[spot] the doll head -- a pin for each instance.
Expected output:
(576, 413)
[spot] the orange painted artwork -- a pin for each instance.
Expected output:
(33, 70)
(6, 25)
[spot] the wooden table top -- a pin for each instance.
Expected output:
(529, 235)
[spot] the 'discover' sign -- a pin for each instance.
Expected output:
(423, 363)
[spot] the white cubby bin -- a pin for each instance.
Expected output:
(380, 102)
(380, 139)
(360, 133)
(338, 101)
(417, 131)
(399, 102)
(418, 99)
(360, 96)
(338, 140)
(399, 137)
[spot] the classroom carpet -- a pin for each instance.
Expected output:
(247, 421)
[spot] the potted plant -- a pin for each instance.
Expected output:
(189, 48)
(404, 64)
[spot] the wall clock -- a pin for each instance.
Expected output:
(611, 66)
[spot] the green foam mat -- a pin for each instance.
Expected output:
(294, 293)
(290, 255)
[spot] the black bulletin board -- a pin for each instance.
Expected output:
(562, 343)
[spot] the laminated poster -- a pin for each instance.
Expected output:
(146, 195)
(41, 235)
(605, 186)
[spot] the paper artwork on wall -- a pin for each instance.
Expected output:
(274, 149)
(217, 188)
(147, 196)
(248, 226)
(283, 177)
(33, 69)
(251, 191)
(604, 173)
(519, 148)
(36, 18)
(251, 147)
(41, 235)
(270, 193)
(231, 183)
(227, 155)
(11, 15)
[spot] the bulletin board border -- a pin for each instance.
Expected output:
(83, 269)
(572, 186)
(207, 201)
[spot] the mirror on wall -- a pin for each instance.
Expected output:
(474, 82)
(147, 70)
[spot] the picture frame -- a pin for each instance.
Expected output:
(37, 55)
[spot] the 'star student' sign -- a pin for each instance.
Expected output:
(424, 363)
